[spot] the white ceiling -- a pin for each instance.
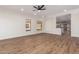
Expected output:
(50, 9)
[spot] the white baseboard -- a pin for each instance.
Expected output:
(10, 37)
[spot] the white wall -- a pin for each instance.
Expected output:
(75, 24)
(50, 26)
(12, 25)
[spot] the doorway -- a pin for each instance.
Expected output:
(64, 22)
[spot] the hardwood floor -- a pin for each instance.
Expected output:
(41, 44)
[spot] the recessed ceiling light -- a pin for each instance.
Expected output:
(34, 14)
(22, 9)
(38, 10)
(65, 10)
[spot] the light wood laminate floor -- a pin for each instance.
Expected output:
(40, 44)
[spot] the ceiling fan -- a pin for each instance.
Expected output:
(39, 7)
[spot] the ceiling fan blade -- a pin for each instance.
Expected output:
(41, 6)
(35, 7)
(38, 7)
